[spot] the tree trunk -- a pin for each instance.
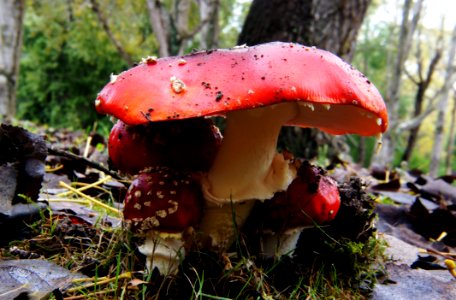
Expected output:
(160, 22)
(11, 22)
(172, 27)
(423, 84)
(209, 13)
(443, 108)
(450, 147)
(328, 24)
(407, 29)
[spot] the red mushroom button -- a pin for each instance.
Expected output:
(188, 145)
(162, 204)
(312, 197)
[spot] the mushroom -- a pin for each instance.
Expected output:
(258, 89)
(129, 150)
(189, 145)
(163, 206)
(311, 198)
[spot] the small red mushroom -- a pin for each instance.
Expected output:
(259, 89)
(162, 205)
(188, 145)
(129, 150)
(311, 198)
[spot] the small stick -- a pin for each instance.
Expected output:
(448, 255)
(85, 187)
(104, 280)
(83, 160)
(93, 200)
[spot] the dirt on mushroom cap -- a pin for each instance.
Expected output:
(213, 82)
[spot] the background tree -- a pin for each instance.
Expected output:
(328, 24)
(372, 58)
(443, 108)
(11, 19)
(176, 26)
(452, 137)
(410, 17)
(71, 47)
(422, 81)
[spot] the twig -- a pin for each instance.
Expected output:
(92, 200)
(83, 160)
(86, 187)
(447, 255)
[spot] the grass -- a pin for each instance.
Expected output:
(116, 270)
(331, 262)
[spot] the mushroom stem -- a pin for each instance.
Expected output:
(279, 244)
(220, 223)
(163, 251)
(247, 165)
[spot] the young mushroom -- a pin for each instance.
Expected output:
(188, 145)
(163, 206)
(258, 89)
(311, 198)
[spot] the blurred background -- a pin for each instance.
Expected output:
(56, 55)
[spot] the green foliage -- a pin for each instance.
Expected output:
(371, 55)
(66, 60)
(68, 57)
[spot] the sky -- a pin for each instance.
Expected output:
(434, 12)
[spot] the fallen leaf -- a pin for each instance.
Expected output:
(35, 278)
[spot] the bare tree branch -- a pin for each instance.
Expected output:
(104, 23)
(160, 21)
(415, 122)
(411, 78)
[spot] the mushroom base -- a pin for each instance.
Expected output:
(279, 244)
(220, 224)
(163, 251)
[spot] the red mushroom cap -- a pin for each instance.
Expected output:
(130, 150)
(214, 82)
(189, 144)
(164, 200)
(311, 197)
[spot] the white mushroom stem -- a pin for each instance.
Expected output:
(164, 251)
(246, 167)
(279, 244)
(220, 223)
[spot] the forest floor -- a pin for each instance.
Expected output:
(62, 237)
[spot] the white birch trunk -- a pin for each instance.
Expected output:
(436, 154)
(11, 19)
(386, 155)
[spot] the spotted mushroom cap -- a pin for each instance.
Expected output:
(311, 197)
(164, 200)
(187, 145)
(217, 81)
